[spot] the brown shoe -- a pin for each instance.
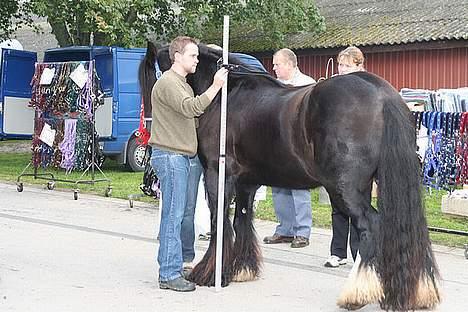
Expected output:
(277, 239)
(299, 242)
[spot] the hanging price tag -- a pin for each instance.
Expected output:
(79, 76)
(47, 76)
(47, 135)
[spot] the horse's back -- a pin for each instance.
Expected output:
(290, 136)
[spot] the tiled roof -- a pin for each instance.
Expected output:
(375, 22)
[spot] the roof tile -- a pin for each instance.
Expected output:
(374, 22)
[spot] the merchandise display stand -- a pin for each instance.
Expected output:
(65, 96)
(445, 155)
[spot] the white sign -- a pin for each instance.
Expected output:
(47, 76)
(47, 135)
(80, 76)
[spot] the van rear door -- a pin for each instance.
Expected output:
(17, 70)
(106, 113)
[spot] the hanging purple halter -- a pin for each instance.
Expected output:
(67, 147)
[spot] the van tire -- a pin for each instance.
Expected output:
(135, 155)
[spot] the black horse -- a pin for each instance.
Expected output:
(341, 133)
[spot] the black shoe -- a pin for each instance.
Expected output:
(299, 242)
(178, 284)
(277, 239)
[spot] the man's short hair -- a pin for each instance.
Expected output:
(288, 54)
(178, 45)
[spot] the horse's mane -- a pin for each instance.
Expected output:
(242, 72)
(146, 76)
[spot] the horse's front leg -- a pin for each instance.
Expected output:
(247, 255)
(204, 272)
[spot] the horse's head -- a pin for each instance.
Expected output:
(208, 65)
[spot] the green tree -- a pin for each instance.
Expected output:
(270, 20)
(129, 23)
(13, 15)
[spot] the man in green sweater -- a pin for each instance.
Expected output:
(174, 141)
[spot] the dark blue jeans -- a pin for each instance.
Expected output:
(187, 234)
(172, 170)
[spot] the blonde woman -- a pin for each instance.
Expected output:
(349, 60)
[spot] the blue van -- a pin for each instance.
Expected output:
(118, 119)
(16, 72)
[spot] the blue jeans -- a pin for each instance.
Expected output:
(172, 169)
(293, 210)
(187, 234)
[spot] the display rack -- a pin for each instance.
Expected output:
(67, 101)
(445, 162)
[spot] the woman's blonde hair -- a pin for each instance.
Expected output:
(353, 54)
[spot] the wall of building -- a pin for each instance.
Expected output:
(426, 69)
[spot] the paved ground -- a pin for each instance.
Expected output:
(15, 147)
(97, 254)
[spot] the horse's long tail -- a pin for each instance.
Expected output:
(405, 261)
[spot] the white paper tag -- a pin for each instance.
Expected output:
(79, 76)
(47, 76)
(47, 135)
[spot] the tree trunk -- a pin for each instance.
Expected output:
(59, 29)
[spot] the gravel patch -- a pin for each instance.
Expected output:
(16, 147)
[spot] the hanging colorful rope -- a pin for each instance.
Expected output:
(36, 142)
(59, 136)
(445, 159)
(68, 108)
(462, 150)
(431, 158)
(448, 165)
(82, 146)
(67, 147)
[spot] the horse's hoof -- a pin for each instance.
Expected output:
(245, 275)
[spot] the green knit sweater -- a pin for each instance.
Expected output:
(174, 109)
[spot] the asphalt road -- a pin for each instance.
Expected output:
(97, 254)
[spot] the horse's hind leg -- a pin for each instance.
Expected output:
(247, 256)
(204, 272)
(363, 285)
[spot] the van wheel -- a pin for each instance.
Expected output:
(135, 155)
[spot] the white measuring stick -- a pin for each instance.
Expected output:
(222, 165)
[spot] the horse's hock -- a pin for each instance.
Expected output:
(456, 203)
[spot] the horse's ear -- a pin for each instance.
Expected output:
(210, 51)
(204, 49)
